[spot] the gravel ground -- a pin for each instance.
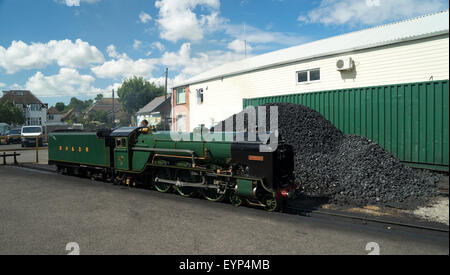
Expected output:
(438, 211)
(347, 169)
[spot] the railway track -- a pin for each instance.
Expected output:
(313, 212)
(340, 214)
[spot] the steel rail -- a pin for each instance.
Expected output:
(353, 217)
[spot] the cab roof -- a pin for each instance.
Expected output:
(124, 132)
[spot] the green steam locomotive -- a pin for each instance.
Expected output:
(216, 166)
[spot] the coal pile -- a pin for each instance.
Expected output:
(346, 169)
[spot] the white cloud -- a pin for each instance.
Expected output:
(257, 36)
(67, 82)
(189, 66)
(369, 12)
(177, 19)
(240, 46)
(115, 87)
(21, 56)
(2, 85)
(76, 3)
(137, 44)
(144, 17)
(124, 66)
(159, 46)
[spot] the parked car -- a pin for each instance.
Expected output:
(29, 134)
(14, 136)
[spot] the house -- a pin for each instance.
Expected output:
(106, 105)
(35, 111)
(54, 117)
(413, 50)
(55, 120)
(156, 112)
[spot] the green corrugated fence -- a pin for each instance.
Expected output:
(409, 120)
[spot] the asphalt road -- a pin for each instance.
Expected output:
(40, 213)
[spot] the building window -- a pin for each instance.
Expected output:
(181, 96)
(308, 76)
(200, 96)
(35, 107)
(181, 123)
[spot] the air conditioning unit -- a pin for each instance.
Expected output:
(345, 64)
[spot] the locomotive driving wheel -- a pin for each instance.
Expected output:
(186, 176)
(163, 173)
(213, 195)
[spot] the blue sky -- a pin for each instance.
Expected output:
(64, 48)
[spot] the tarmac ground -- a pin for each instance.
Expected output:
(42, 212)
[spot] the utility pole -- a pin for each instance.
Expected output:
(113, 111)
(165, 98)
(165, 87)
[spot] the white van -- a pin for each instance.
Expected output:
(29, 134)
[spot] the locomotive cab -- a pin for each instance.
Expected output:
(123, 139)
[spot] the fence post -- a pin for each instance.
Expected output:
(37, 149)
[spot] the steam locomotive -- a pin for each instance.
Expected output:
(216, 166)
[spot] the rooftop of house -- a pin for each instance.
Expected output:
(54, 111)
(154, 105)
(20, 97)
(106, 104)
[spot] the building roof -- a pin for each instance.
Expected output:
(105, 104)
(154, 105)
(68, 114)
(53, 111)
(407, 30)
(20, 97)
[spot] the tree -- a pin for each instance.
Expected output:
(11, 114)
(99, 97)
(100, 116)
(79, 105)
(136, 92)
(60, 106)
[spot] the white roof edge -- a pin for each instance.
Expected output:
(341, 51)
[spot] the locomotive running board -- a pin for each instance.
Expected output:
(187, 184)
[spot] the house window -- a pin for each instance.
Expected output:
(181, 123)
(200, 96)
(308, 76)
(181, 96)
(35, 107)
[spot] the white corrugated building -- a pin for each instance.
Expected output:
(412, 50)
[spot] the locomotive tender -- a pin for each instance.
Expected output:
(215, 169)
